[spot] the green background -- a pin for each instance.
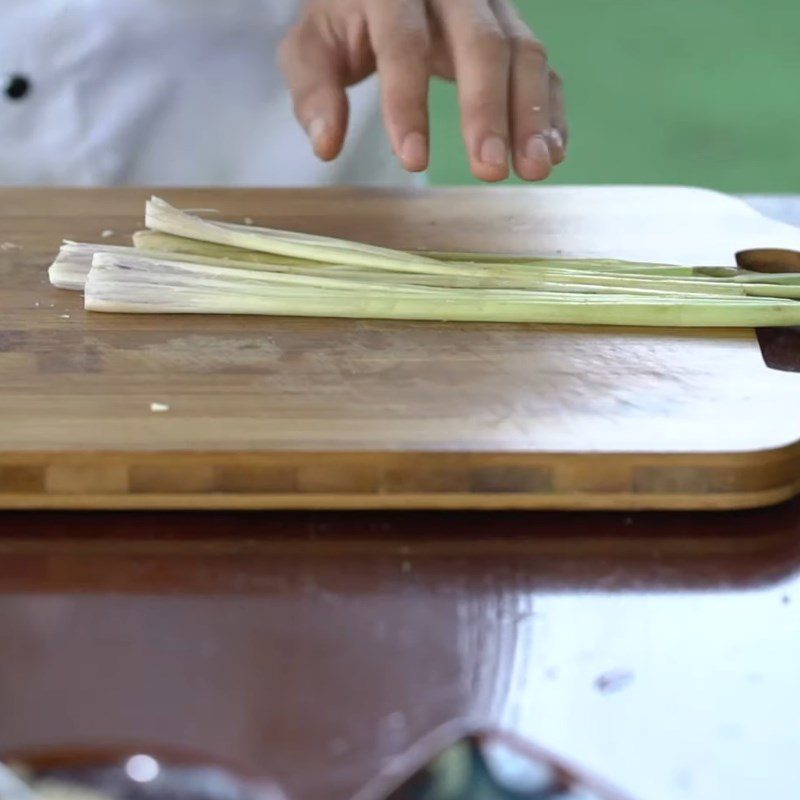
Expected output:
(701, 92)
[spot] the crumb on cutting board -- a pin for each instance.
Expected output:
(158, 408)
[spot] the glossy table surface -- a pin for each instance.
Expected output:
(661, 651)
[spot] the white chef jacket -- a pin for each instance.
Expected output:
(165, 92)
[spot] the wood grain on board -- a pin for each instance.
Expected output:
(276, 412)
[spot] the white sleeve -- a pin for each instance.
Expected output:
(166, 93)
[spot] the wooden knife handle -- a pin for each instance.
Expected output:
(765, 259)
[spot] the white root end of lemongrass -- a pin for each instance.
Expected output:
(73, 262)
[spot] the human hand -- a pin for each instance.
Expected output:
(512, 106)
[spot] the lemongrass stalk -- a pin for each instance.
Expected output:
(173, 228)
(112, 287)
(169, 243)
(782, 278)
(145, 273)
(610, 265)
(251, 270)
(161, 216)
(159, 271)
(355, 281)
(164, 218)
(74, 261)
(787, 292)
(604, 264)
(523, 259)
(547, 309)
(477, 265)
(262, 245)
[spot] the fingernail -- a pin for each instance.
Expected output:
(494, 151)
(316, 129)
(557, 139)
(536, 149)
(414, 151)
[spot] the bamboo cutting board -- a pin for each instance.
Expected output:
(315, 413)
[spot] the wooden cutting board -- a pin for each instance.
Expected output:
(315, 413)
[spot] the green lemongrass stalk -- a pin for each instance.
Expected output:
(468, 277)
(480, 266)
(160, 270)
(783, 286)
(145, 271)
(169, 243)
(128, 287)
(74, 261)
(645, 269)
(164, 218)
(783, 278)
(612, 265)
(538, 309)
(785, 291)
(514, 258)
(161, 216)
(192, 265)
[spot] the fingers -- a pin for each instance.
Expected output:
(530, 109)
(481, 56)
(534, 147)
(401, 41)
(312, 69)
(512, 103)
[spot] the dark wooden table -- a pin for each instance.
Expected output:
(661, 651)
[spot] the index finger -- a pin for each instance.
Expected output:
(312, 73)
(481, 56)
(401, 41)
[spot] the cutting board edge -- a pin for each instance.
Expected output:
(412, 502)
(395, 480)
